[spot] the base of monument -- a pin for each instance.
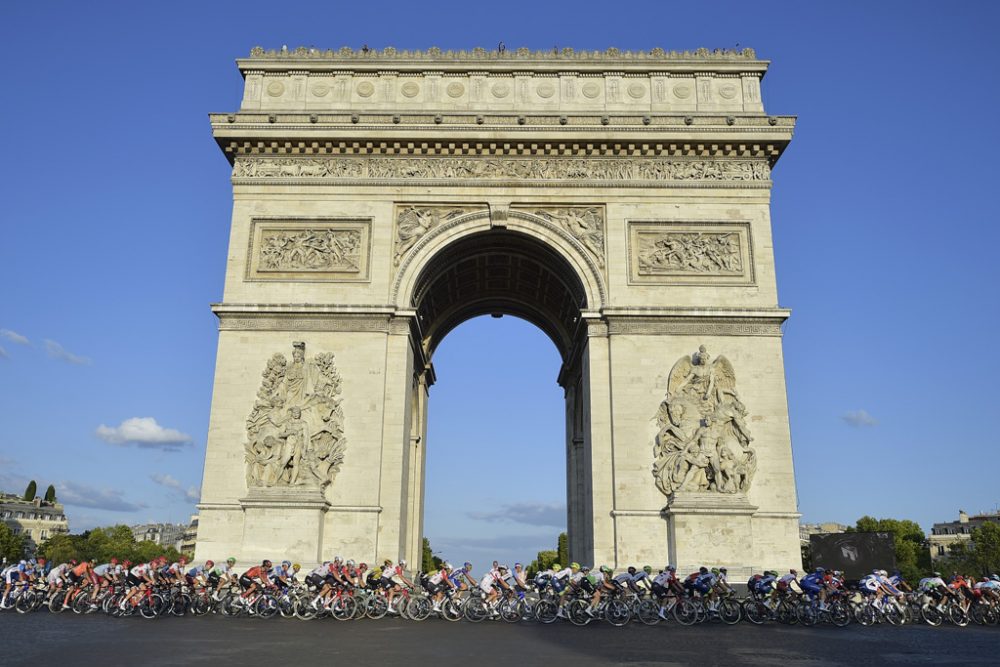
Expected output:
(711, 530)
(284, 521)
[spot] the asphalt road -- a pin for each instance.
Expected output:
(41, 639)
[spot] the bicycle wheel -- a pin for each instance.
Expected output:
(756, 612)
(617, 613)
(866, 615)
(56, 602)
(475, 610)
(148, 606)
(181, 604)
(686, 612)
(648, 612)
(893, 614)
(807, 613)
(730, 611)
(376, 607)
(785, 613)
(418, 608)
(511, 610)
(931, 615)
(957, 616)
(266, 606)
(80, 604)
(451, 610)
(25, 603)
(577, 612)
(840, 614)
(546, 611)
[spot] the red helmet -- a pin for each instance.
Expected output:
(114, 561)
(209, 563)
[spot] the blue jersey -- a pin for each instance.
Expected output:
(812, 580)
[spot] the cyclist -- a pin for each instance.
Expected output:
(519, 579)
(255, 577)
(79, 576)
(105, 575)
(198, 574)
(633, 577)
(603, 585)
(220, 575)
(437, 583)
(462, 578)
(11, 575)
(139, 578)
(814, 585)
(492, 582)
(397, 579)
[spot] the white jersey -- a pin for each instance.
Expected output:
(564, 573)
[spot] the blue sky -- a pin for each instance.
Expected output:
(116, 206)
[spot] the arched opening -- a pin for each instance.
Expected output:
(497, 273)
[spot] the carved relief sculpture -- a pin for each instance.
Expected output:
(697, 252)
(310, 250)
(295, 432)
(586, 225)
(702, 443)
(412, 222)
(601, 169)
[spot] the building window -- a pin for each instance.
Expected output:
(44, 535)
(940, 550)
(17, 531)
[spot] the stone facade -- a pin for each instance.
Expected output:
(618, 200)
(943, 535)
(164, 534)
(35, 519)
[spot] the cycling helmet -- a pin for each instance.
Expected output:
(266, 563)
(230, 560)
(350, 562)
(631, 569)
(936, 574)
(363, 566)
(517, 565)
(574, 566)
(556, 566)
(210, 563)
(671, 568)
(715, 570)
(585, 568)
(446, 565)
(723, 570)
(296, 567)
(703, 570)
(114, 561)
(338, 559)
(402, 563)
(883, 573)
(995, 577)
(819, 570)
(468, 565)
(386, 562)
(648, 569)
(606, 569)
(286, 564)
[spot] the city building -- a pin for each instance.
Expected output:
(190, 537)
(943, 535)
(807, 529)
(164, 534)
(36, 519)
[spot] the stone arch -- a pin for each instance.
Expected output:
(549, 235)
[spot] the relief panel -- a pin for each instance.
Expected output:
(309, 249)
(690, 253)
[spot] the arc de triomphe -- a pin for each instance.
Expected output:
(617, 200)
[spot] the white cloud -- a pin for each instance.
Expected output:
(14, 337)
(144, 432)
(81, 495)
(57, 351)
(3, 353)
(534, 514)
(190, 494)
(859, 418)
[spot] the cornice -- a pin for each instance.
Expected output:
(489, 60)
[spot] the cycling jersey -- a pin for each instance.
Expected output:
(931, 583)
(196, 571)
(104, 570)
(220, 571)
(705, 581)
(58, 572)
(256, 572)
(140, 571)
(456, 576)
(80, 569)
(664, 579)
(812, 583)
(438, 577)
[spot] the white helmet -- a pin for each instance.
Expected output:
(402, 563)
(338, 559)
(350, 563)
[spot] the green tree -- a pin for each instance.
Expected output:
(562, 549)
(61, 548)
(428, 560)
(50, 494)
(543, 561)
(29, 493)
(913, 560)
(11, 545)
(985, 551)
